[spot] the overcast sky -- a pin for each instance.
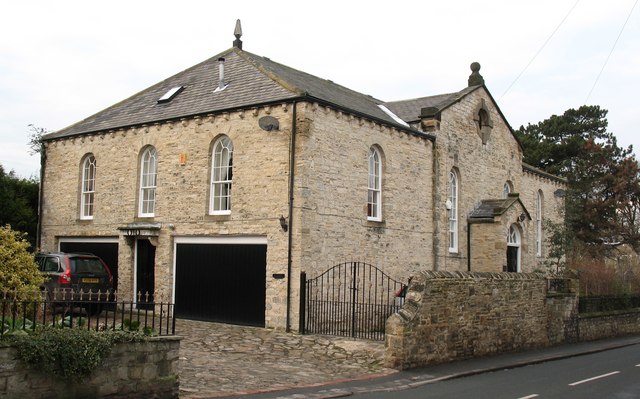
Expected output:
(61, 61)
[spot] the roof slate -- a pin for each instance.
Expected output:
(409, 110)
(490, 208)
(252, 80)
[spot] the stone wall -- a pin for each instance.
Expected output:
(612, 324)
(332, 198)
(456, 315)
(133, 370)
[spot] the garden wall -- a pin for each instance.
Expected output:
(456, 315)
(145, 369)
(610, 324)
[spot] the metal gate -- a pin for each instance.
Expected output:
(351, 299)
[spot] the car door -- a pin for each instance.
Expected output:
(50, 267)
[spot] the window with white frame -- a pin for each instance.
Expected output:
(539, 224)
(374, 199)
(221, 177)
(88, 187)
(452, 201)
(148, 182)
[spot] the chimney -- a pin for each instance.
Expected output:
(221, 83)
(475, 79)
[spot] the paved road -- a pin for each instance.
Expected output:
(221, 359)
(609, 374)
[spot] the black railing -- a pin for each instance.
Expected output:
(91, 310)
(558, 285)
(351, 299)
(595, 304)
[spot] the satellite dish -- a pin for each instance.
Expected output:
(268, 123)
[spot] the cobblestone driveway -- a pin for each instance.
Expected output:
(221, 359)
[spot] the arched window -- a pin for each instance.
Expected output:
(88, 187)
(221, 176)
(452, 202)
(374, 199)
(539, 199)
(513, 249)
(506, 189)
(148, 182)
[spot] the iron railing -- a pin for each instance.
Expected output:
(558, 285)
(351, 299)
(90, 310)
(595, 304)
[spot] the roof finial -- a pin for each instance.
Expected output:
(475, 79)
(238, 34)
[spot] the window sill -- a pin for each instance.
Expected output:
(221, 217)
(375, 223)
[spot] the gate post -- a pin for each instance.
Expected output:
(303, 303)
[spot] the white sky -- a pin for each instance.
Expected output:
(61, 61)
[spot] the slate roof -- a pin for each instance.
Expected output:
(253, 80)
(491, 208)
(409, 110)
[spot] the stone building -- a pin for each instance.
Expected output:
(218, 186)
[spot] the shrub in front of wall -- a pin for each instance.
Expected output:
(68, 352)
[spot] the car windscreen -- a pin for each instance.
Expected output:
(86, 265)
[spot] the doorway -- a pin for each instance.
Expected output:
(513, 249)
(145, 273)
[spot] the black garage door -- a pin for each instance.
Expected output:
(108, 251)
(221, 282)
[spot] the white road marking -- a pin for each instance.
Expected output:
(593, 378)
(535, 395)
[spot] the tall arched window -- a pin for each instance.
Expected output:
(374, 201)
(221, 176)
(88, 187)
(539, 199)
(148, 182)
(452, 201)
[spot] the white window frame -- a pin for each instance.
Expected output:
(221, 177)
(374, 186)
(453, 211)
(148, 182)
(539, 224)
(87, 196)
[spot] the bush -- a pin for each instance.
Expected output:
(19, 274)
(68, 352)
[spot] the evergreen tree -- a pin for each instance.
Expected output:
(604, 182)
(19, 204)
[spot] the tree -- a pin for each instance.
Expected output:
(602, 197)
(18, 270)
(19, 199)
(35, 139)
(554, 144)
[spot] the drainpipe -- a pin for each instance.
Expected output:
(43, 159)
(468, 246)
(292, 158)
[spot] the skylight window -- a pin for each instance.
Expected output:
(392, 115)
(171, 94)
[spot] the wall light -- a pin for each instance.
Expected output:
(284, 224)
